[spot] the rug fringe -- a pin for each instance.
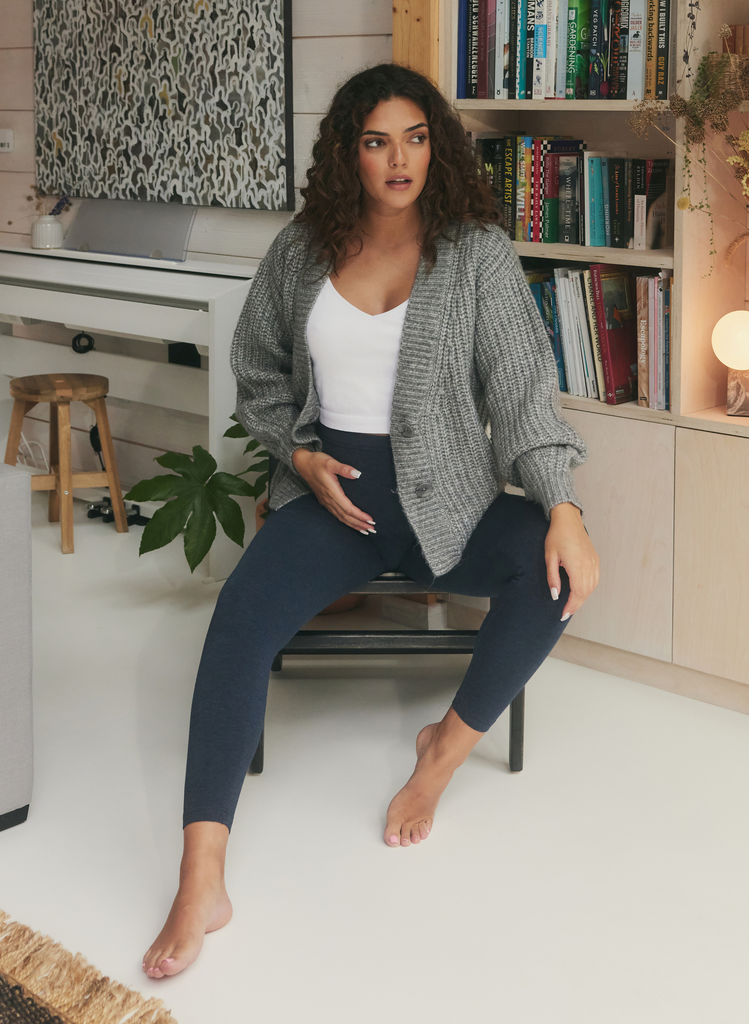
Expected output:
(68, 984)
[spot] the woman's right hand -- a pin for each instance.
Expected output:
(320, 472)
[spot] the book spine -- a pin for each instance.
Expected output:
(596, 43)
(530, 41)
(617, 203)
(651, 35)
(508, 184)
(667, 341)
(521, 31)
(621, 92)
(519, 187)
(561, 296)
(581, 199)
(460, 90)
(615, 39)
(636, 50)
(482, 88)
(661, 51)
(537, 188)
(538, 56)
(491, 45)
(568, 229)
(595, 203)
(639, 197)
(578, 49)
(606, 200)
(642, 343)
(608, 376)
(594, 335)
(550, 220)
(472, 72)
(499, 50)
(552, 27)
(586, 349)
(558, 354)
(561, 75)
(661, 399)
(652, 347)
(528, 182)
(672, 51)
(629, 205)
(512, 49)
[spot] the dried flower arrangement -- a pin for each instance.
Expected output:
(40, 199)
(720, 85)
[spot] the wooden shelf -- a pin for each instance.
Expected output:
(596, 254)
(713, 420)
(590, 106)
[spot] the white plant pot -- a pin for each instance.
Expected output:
(46, 233)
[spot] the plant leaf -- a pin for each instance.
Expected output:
(204, 462)
(158, 488)
(227, 483)
(180, 463)
(236, 431)
(251, 446)
(200, 532)
(228, 513)
(166, 523)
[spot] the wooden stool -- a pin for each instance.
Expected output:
(60, 389)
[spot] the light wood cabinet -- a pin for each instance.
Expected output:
(627, 490)
(711, 554)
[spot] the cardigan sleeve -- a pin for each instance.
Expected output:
(535, 448)
(261, 359)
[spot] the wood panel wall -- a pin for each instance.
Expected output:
(332, 40)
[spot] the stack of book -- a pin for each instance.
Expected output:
(566, 49)
(552, 189)
(609, 330)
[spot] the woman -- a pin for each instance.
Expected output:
(395, 263)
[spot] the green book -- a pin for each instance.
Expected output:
(578, 50)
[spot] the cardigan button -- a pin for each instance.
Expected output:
(423, 489)
(407, 430)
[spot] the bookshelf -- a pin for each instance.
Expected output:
(665, 493)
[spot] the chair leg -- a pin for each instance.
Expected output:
(277, 663)
(53, 513)
(256, 765)
(20, 408)
(517, 722)
(113, 479)
(65, 478)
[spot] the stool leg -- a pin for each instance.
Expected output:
(517, 722)
(65, 477)
(115, 491)
(54, 464)
(20, 408)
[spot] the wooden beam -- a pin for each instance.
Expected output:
(416, 35)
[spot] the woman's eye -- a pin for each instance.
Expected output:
(419, 138)
(373, 143)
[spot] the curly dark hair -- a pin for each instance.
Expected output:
(333, 198)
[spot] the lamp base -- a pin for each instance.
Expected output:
(737, 400)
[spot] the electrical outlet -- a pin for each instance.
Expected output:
(6, 140)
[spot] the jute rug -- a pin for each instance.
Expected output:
(42, 983)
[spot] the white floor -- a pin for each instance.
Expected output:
(604, 884)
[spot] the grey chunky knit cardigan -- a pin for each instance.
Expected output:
(474, 352)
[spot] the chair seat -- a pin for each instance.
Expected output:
(390, 583)
(55, 387)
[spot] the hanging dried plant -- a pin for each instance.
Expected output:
(42, 203)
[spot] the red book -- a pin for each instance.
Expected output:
(615, 301)
(483, 63)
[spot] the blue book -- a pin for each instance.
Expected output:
(595, 202)
(522, 33)
(551, 288)
(606, 200)
(462, 48)
(667, 338)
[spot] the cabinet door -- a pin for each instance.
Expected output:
(711, 553)
(627, 491)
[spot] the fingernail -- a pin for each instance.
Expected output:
(566, 616)
(372, 522)
(355, 474)
(365, 532)
(555, 594)
(371, 531)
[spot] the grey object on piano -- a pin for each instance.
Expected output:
(126, 227)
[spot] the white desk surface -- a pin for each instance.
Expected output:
(144, 282)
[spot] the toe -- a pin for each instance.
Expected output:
(405, 836)
(415, 834)
(424, 828)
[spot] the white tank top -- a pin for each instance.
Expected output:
(354, 361)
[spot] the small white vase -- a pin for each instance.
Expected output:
(46, 233)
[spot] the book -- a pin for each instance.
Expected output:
(542, 146)
(661, 50)
(550, 218)
(552, 27)
(652, 346)
(500, 50)
(639, 195)
(617, 203)
(643, 362)
(593, 232)
(508, 184)
(581, 198)
(660, 401)
(650, 203)
(570, 343)
(521, 31)
(529, 25)
(462, 48)
(651, 29)
(523, 151)
(667, 339)
(595, 337)
(606, 200)
(569, 226)
(629, 199)
(558, 355)
(561, 65)
(598, 53)
(636, 50)
(578, 49)
(615, 21)
(621, 93)
(491, 43)
(472, 60)
(581, 323)
(512, 57)
(482, 85)
(616, 319)
(537, 65)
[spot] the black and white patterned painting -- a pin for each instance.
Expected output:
(186, 102)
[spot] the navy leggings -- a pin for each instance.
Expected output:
(304, 558)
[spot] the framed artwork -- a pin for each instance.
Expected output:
(172, 102)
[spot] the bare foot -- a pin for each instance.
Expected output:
(201, 905)
(411, 811)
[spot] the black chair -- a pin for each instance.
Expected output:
(393, 641)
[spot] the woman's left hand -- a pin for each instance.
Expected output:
(568, 545)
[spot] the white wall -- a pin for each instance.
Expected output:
(332, 39)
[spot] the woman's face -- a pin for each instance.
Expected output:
(394, 154)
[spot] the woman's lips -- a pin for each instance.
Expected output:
(399, 186)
